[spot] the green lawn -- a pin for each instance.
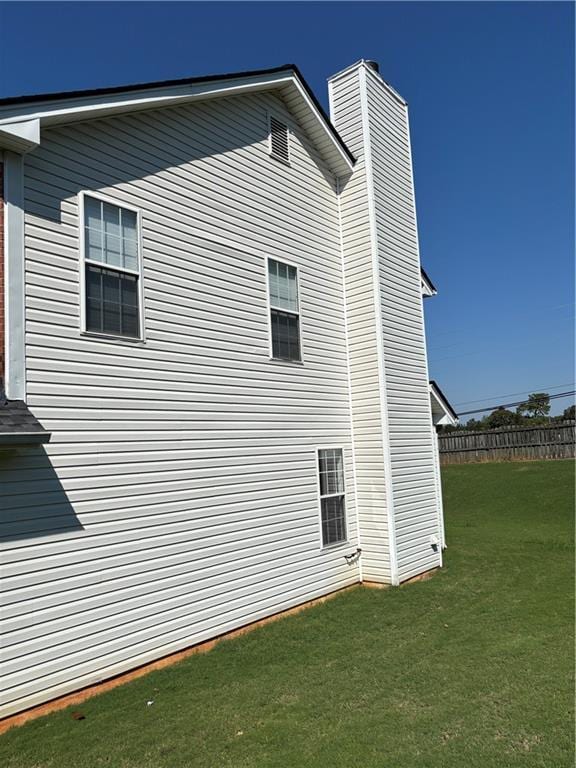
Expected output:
(471, 668)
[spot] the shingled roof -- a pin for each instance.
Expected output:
(18, 426)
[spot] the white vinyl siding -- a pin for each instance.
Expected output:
(392, 422)
(362, 338)
(179, 492)
(410, 430)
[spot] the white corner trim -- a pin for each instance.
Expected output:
(14, 276)
(394, 575)
(433, 435)
(349, 375)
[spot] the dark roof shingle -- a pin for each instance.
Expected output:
(18, 424)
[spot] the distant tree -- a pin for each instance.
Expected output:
(501, 418)
(473, 424)
(537, 405)
(445, 428)
(570, 412)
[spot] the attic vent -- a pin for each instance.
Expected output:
(279, 147)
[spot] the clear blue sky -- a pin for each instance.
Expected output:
(491, 94)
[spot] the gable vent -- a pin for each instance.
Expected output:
(279, 147)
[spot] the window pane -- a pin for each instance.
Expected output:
(273, 281)
(283, 285)
(129, 291)
(285, 335)
(111, 302)
(94, 244)
(128, 224)
(111, 214)
(111, 234)
(130, 250)
(330, 465)
(92, 213)
(129, 322)
(129, 239)
(111, 317)
(333, 520)
(93, 299)
(110, 286)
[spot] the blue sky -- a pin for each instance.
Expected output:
(491, 94)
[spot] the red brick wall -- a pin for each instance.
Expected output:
(2, 339)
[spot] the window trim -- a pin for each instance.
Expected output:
(345, 541)
(270, 307)
(82, 195)
(276, 116)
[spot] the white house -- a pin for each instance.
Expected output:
(218, 403)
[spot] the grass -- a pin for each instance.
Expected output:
(471, 668)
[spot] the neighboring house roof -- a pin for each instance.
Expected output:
(20, 131)
(428, 287)
(18, 426)
(442, 411)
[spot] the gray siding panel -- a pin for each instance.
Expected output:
(179, 495)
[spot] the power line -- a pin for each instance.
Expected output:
(513, 394)
(518, 402)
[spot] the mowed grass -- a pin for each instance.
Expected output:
(471, 668)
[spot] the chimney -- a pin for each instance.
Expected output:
(391, 411)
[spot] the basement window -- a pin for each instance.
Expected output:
(284, 311)
(279, 140)
(111, 265)
(332, 495)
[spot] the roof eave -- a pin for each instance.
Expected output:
(59, 109)
(8, 439)
(449, 414)
(428, 287)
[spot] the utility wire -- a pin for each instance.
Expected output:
(513, 394)
(509, 405)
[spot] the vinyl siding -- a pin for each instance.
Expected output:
(410, 430)
(367, 423)
(179, 491)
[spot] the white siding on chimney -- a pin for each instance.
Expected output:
(363, 342)
(178, 497)
(380, 197)
(410, 429)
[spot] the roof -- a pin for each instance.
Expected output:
(429, 289)
(59, 107)
(18, 426)
(442, 411)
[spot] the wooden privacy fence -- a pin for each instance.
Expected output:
(547, 441)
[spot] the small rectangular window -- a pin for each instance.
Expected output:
(284, 310)
(111, 269)
(332, 495)
(279, 140)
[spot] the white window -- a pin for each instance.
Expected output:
(279, 140)
(284, 310)
(111, 263)
(332, 495)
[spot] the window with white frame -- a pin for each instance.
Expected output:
(332, 495)
(284, 310)
(111, 269)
